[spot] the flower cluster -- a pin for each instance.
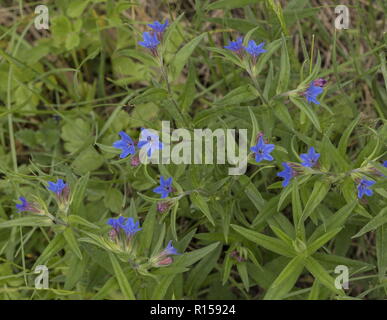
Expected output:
(152, 39)
(62, 196)
(148, 141)
(252, 48)
(310, 160)
(292, 169)
(122, 235)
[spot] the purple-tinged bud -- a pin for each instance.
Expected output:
(165, 262)
(320, 82)
(135, 161)
(113, 234)
(28, 206)
(235, 254)
(163, 206)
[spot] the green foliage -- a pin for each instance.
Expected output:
(67, 92)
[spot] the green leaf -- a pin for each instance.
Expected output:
(190, 258)
(267, 242)
(345, 137)
(239, 95)
(251, 192)
(78, 193)
(381, 250)
(52, 248)
(123, 282)
(183, 54)
(285, 280)
(284, 75)
(335, 221)
(30, 221)
(320, 190)
(200, 202)
(308, 111)
(72, 242)
(75, 220)
(242, 270)
(374, 223)
(76, 7)
(318, 243)
(113, 200)
(229, 4)
(322, 275)
(88, 160)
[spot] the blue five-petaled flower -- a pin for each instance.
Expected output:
(25, 205)
(149, 141)
(312, 92)
(165, 187)
(126, 144)
(159, 27)
(169, 250)
(363, 188)
(235, 46)
(126, 224)
(262, 150)
(287, 174)
(309, 159)
(57, 187)
(255, 49)
(150, 41)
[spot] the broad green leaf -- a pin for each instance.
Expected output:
(284, 74)
(52, 248)
(318, 271)
(75, 220)
(200, 202)
(381, 250)
(320, 190)
(318, 243)
(308, 111)
(374, 223)
(183, 54)
(72, 242)
(30, 221)
(267, 242)
(122, 280)
(286, 279)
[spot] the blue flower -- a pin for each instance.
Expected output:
(150, 141)
(169, 250)
(26, 206)
(126, 144)
(262, 150)
(159, 27)
(150, 41)
(235, 46)
(287, 174)
(126, 224)
(255, 50)
(116, 223)
(312, 92)
(309, 159)
(385, 163)
(165, 187)
(57, 187)
(130, 227)
(363, 188)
